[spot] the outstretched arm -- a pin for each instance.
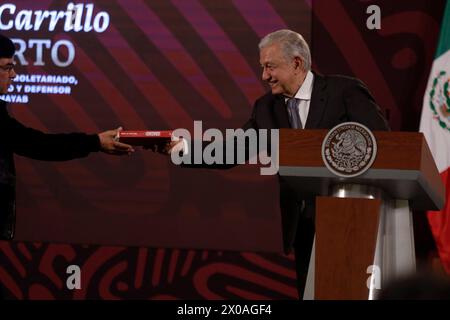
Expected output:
(36, 144)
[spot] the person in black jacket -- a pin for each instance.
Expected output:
(15, 138)
(300, 98)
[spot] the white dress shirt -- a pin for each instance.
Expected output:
(304, 95)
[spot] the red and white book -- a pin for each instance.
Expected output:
(144, 138)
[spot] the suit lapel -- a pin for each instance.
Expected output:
(318, 102)
(280, 112)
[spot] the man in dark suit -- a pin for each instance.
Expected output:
(300, 99)
(319, 102)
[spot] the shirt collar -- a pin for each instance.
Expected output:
(305, 91)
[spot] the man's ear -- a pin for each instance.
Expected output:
(298, 63)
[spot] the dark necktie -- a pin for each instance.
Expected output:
(294, 116)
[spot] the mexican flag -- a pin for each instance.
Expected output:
(435, 125)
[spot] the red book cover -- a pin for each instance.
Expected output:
(144, 138)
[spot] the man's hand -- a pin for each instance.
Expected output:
(167, 148)
(110, 145)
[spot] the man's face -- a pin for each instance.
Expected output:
(283, 76)
(7, 74)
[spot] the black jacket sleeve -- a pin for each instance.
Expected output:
(361, 106)
(35, 144)
(237, 146)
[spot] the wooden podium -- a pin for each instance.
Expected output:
(364, 232)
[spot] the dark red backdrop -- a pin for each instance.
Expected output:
(394, 62)
(159, 65)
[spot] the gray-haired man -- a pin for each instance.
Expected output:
(300, 98)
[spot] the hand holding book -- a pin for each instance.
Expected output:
(158, 141)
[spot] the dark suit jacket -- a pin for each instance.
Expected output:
(15, 138)
(335, 99)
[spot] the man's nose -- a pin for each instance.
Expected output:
(265, 75)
